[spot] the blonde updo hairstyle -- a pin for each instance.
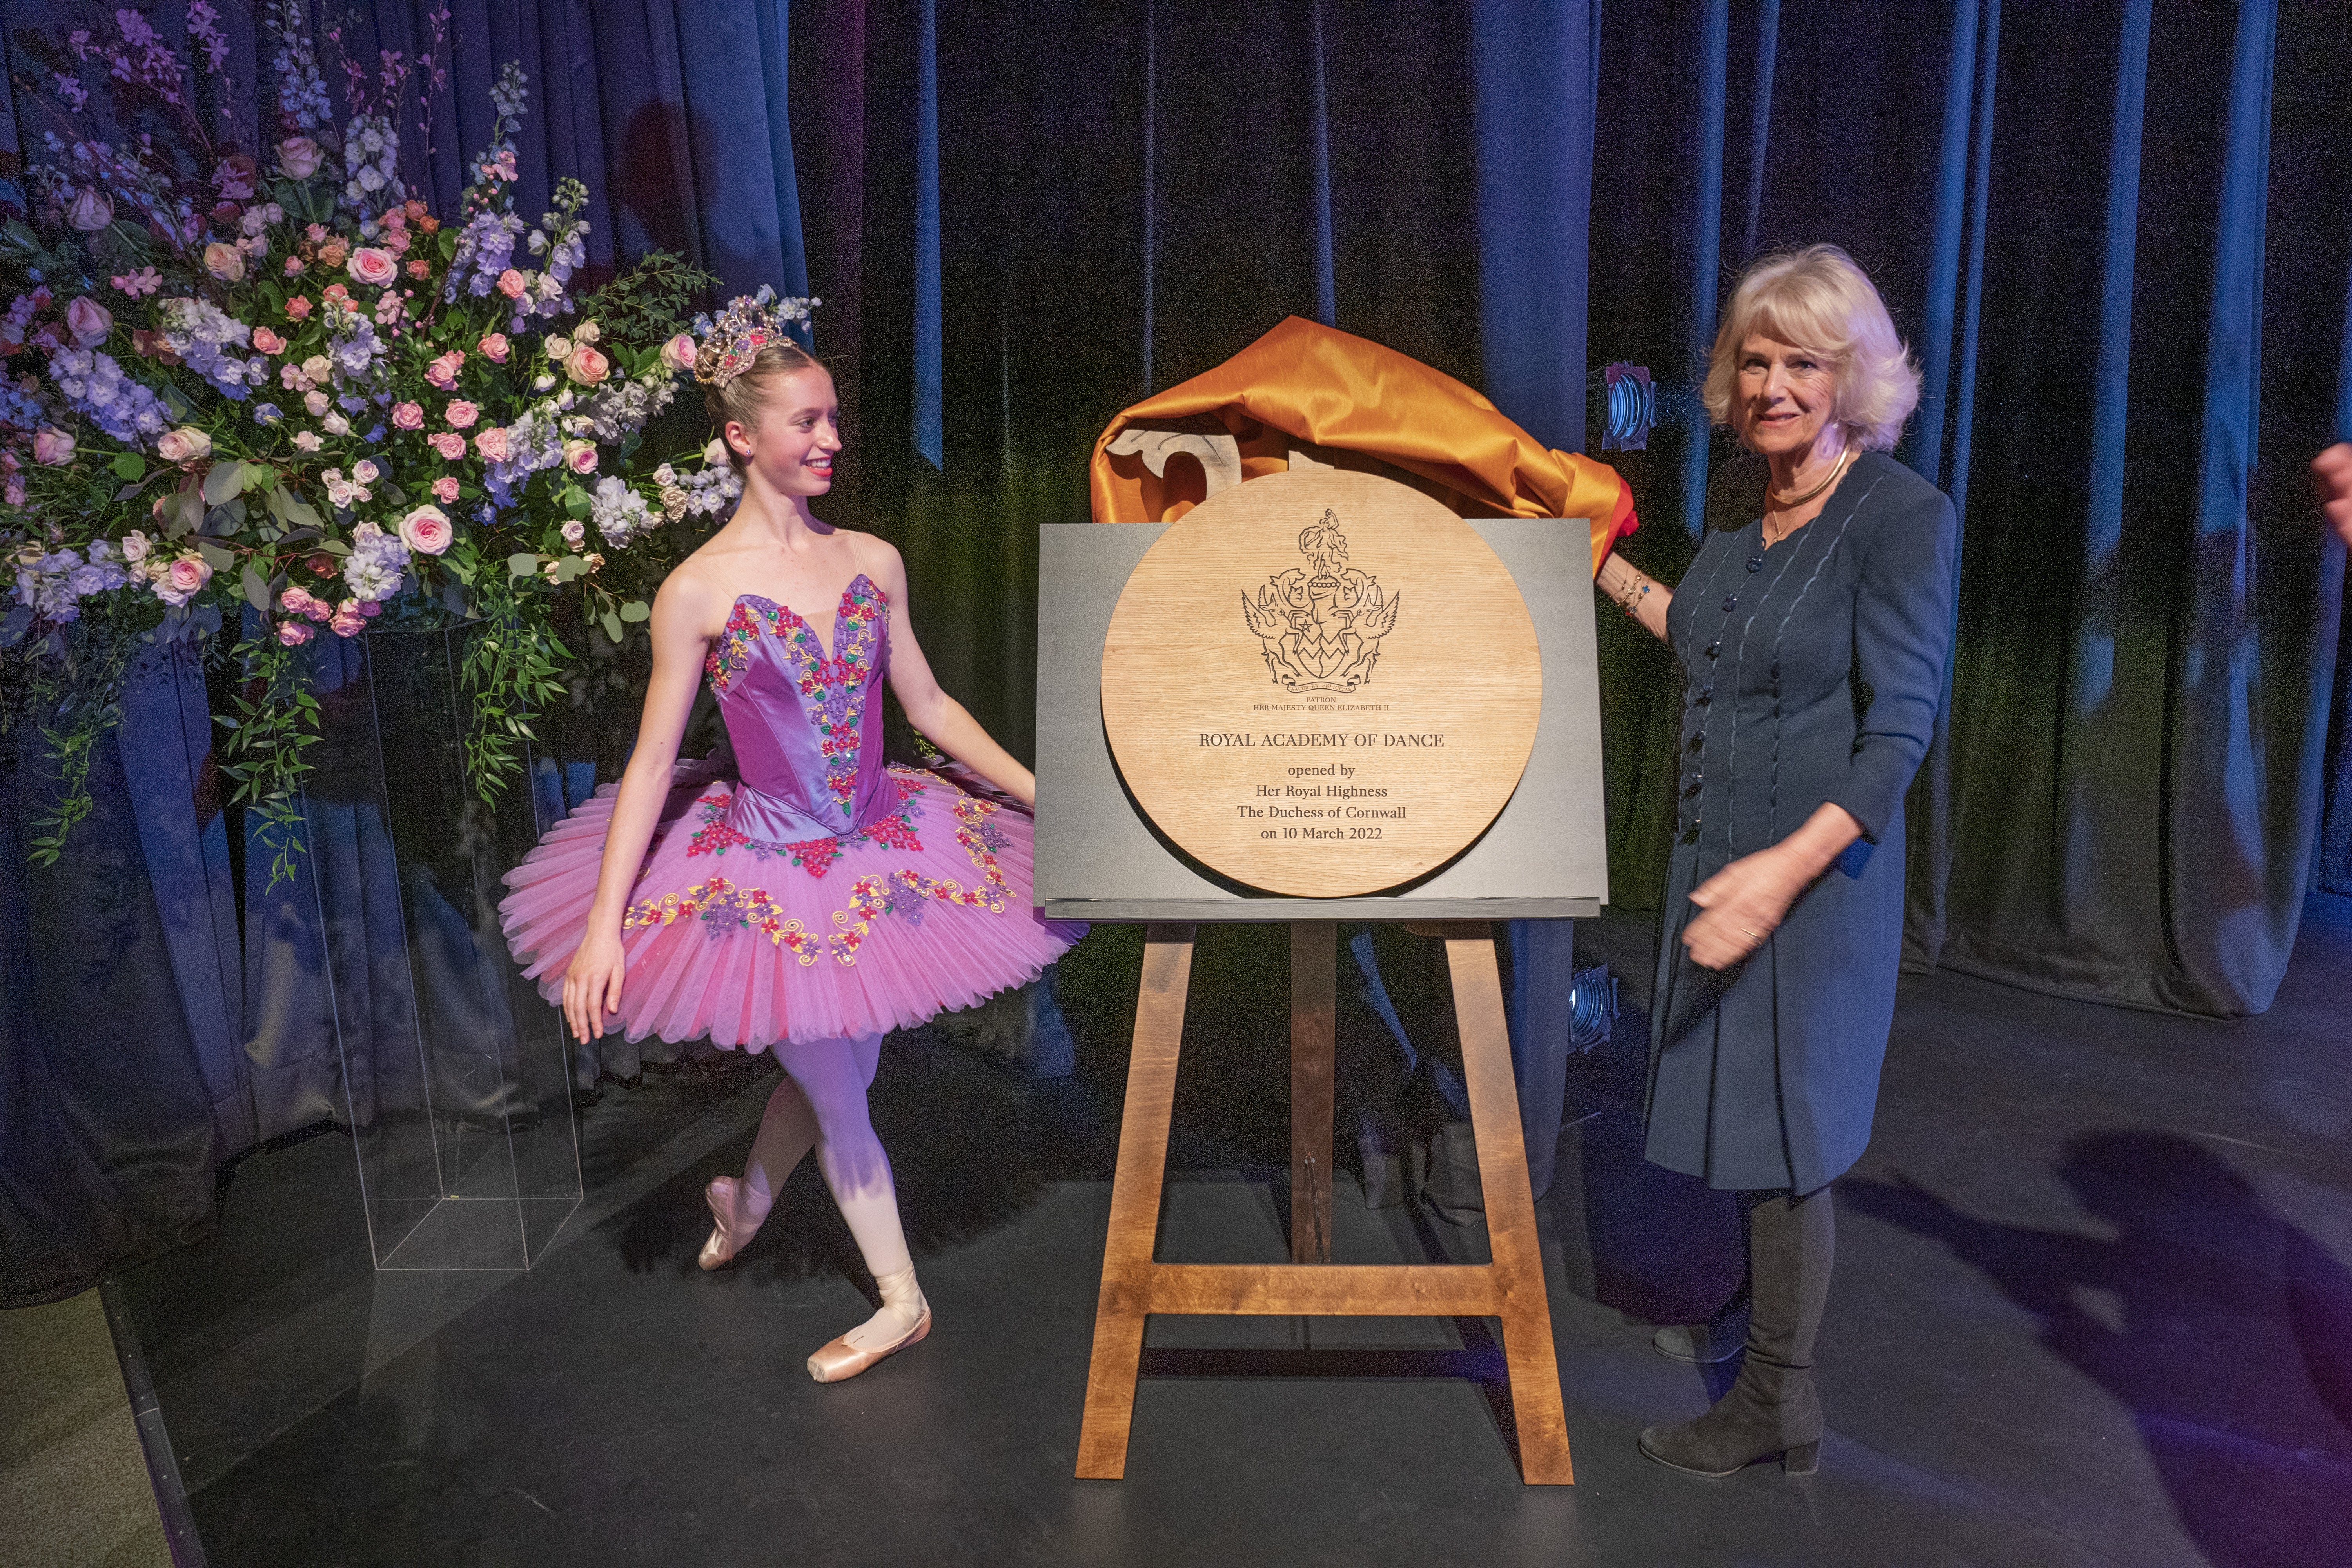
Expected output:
(1817, 299)
(741, 396)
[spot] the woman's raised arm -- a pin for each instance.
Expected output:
(1637, 593)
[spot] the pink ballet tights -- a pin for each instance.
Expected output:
(822, 1104)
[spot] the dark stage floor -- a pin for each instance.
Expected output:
(2094, 1305)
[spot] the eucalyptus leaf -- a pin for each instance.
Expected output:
(257, 588)
(130, 465)
(575, 501)
(218, 557)
(334, 547)
(613, 630)
(223, 480)
(522, 563)
(635, 610)
(299, 512)
(571, 566)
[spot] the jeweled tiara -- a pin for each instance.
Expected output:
(749, 323)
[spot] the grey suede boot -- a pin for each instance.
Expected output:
(1771, 1407)
(1717, 1340)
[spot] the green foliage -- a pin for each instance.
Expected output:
(650, 302)
(275, 722)
(512, 666)
(75, 695)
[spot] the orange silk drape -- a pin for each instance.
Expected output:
(1304, 383)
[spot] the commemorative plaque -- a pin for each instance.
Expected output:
(1321, 683)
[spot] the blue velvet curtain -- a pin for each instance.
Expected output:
(2116, 236)
(2115, 233)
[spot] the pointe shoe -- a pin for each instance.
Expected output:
(840, 1360)
(731, 1229)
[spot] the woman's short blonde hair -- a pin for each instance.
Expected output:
(1818, 298)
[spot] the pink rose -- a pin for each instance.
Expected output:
(425, 529)
(348, 621)
(53, 447)
(408, 416)
(178, 582)
(266, 342)
(293, 267)
(680, 351)
(587, 366)
(88, 320)
(294, 633)
(494, 347)
(372, 268)
(91, 210)
(299, 157)
(491, 444)
(224, 261)
(462, 415)
(512, 284)
(296, 601)
(297, 308)
(185, 445)
(450, 445)
(445, 489)
(443, 371)
(580, 456)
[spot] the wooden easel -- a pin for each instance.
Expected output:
(1511, 1287)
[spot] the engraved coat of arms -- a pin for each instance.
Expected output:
(1321, 626)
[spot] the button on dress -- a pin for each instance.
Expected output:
(1812, 669)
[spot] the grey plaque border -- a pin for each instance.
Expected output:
(1545, 857)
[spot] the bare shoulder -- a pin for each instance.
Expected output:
(878, 559)
(694, 594)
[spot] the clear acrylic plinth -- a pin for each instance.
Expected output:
(456, 1075)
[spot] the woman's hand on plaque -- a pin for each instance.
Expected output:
(1740, 905)
(592, 985)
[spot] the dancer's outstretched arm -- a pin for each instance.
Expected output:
(680, 627)
(940, 718)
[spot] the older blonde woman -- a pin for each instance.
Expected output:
(1812, 629)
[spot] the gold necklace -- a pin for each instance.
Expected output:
(1785, 504)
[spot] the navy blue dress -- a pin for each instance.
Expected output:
(1811, 672)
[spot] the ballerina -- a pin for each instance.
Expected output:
(799, 895)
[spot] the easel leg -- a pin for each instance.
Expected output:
(1511, 1208)
(1314, 983)
(1120, 1309)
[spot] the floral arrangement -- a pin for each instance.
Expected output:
(256, 401)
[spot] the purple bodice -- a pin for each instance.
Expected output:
(807, 740)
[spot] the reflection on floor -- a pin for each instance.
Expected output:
(2094, 1305)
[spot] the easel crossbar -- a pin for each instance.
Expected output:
(1339, 1291)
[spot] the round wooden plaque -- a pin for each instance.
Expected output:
(1321, 683)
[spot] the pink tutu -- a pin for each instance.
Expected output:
(846, 899)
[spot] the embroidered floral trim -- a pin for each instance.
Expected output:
(832, 686)
(815, 855)
(731, 651)
(726, 909)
